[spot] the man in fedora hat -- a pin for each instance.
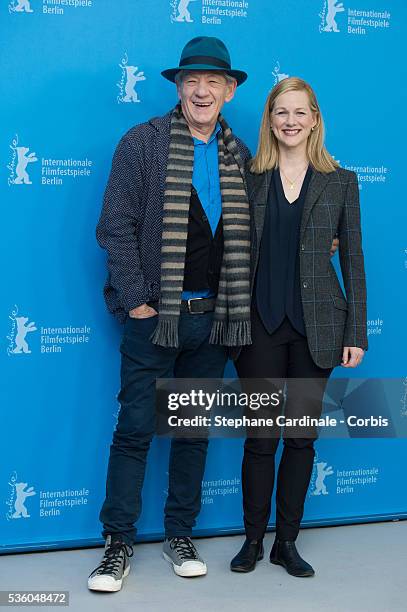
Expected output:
(175, 224)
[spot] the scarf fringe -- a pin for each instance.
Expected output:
(236, 333)
(166, 333)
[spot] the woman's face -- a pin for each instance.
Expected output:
(292, 119)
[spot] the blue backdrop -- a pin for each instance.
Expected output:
(76, 75)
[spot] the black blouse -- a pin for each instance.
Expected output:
(278, 291)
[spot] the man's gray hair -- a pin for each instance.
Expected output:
(181, 74)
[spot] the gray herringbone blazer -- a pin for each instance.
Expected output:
(332, 320)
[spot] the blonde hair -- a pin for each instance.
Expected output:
(267, 155)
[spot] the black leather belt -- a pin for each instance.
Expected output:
(193, 306)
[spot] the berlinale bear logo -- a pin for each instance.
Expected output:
(322, 472)
(279, 76)
(18, 164)
(22, 162)
(17, 336)
(129, 79)
(17, 498)
(22, 331)
(328, 14)
(22, 6)
(180, 11)
(20, 511)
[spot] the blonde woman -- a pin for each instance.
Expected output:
(302, 324)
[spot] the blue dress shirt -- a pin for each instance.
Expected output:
(205, 179)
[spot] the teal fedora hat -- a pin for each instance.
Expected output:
(208, 54)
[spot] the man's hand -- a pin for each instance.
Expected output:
(142, 312)
(334, 247)
(352, 356)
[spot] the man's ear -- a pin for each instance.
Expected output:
(231, 91)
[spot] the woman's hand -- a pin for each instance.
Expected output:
(334, 246)
(352, 356)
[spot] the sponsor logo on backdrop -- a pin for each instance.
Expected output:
(209, 12)
(344, 482)
(373, 175)
(130, 76)
(52, 339)
(354, 21)
(16, 501)
(18, 165)
(405, 259)
(215, 490)
(278, 75)
(48, 7)
(54, 171)
(47, 503)
(57, 503)
(374, 327)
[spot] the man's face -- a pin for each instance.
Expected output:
(202, 96)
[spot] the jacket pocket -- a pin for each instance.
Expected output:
(339, 302)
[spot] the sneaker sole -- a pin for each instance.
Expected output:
(185, 573)
(108, 586)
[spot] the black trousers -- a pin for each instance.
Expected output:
(284, 354)
(142, 363)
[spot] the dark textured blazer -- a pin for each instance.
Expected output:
(332, 320)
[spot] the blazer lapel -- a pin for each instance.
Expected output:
(316, 186)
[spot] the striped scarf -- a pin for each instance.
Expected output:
(231, 321)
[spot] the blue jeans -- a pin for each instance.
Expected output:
(142, 363)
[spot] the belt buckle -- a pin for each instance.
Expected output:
(195, 311)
